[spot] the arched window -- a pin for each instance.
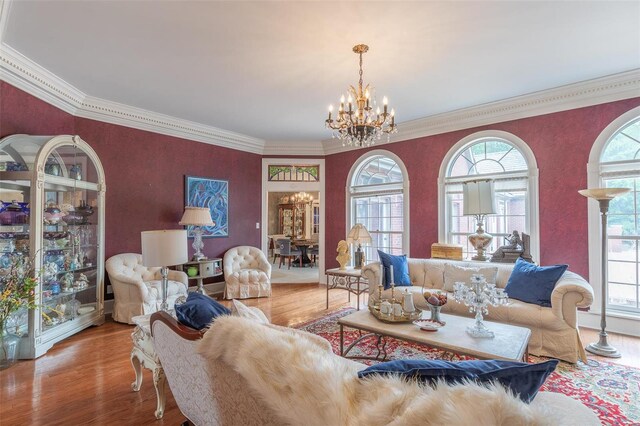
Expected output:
(510, 163)
(615, 162)
(378, 197)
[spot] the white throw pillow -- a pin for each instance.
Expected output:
(455, 273)
(250, 312)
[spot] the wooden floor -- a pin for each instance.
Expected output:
(86, 379)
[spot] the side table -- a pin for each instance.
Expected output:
(144, 355)
(349, 279)
(204, 269)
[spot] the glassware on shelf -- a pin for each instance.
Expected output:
(72, 307)
(478, 296)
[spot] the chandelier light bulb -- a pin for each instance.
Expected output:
(385, 101)
(330, 108)
(350, 100)
(393, 112)
(378, 110)
(342, 99)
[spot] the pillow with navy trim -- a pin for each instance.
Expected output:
(400, 269)
(199, 311)
(523, 379)
(533, 284)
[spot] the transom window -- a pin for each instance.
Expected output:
(378, 201)
(620, 168)
(505, 163)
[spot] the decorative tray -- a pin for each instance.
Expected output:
(405, 317)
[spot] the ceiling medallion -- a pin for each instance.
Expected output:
(357, 123)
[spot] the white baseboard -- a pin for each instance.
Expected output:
(616, 323)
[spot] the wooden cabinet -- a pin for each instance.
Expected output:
(53, 203)
(291, 220)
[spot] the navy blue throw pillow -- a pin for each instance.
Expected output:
(533, 284)
(400, 269)
(523, 379)
(199, 310)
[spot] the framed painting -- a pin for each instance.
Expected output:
(211, 193)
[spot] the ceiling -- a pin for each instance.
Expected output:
(270, 69)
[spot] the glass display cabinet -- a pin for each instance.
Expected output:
(53, 193)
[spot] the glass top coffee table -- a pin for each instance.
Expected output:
(510, 341)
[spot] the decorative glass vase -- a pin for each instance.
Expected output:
(8, 347)
(435, 313)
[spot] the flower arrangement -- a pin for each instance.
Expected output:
(17, 287)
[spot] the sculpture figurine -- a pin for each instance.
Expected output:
(516, 247)
(343, 254)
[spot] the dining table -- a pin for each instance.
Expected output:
(303, 259)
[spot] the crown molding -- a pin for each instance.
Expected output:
(577, 95)
(21, 72)
(138, 118)
(311, 148)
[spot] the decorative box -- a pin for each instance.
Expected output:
(446, 251)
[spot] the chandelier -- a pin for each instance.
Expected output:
(357, 123)
(301, 198)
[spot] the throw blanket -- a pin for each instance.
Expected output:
(299, 378)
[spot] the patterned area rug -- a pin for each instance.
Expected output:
(611, 390)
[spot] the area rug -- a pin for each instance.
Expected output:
(611, 390)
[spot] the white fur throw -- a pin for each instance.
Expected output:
(305, 383)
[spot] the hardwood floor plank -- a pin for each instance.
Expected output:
(87, 378)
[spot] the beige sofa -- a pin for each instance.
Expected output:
(246, 373)
(554, 330)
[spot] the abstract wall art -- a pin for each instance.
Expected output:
(211, 193)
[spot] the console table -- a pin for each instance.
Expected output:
(203, 269)
(144, 355)
(349, 279)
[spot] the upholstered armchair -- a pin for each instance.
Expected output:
(137, 289)
(247, 273)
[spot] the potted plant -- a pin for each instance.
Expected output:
(17, 290)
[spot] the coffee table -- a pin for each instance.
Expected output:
(510, 341)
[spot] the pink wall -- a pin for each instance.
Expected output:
(145, 173)
(561, 143)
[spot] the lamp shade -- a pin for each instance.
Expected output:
(478, 197)
(196, 216)
(359, 234)
(164, 248)
(603, 193)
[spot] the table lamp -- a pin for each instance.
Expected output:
(603, 196)
(359, 234)
(198, 217)
(479, 200)
(164, 248)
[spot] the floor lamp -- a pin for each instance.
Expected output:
(603, 196)
(164, 248)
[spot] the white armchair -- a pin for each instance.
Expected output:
(247, 273)
(137, 289)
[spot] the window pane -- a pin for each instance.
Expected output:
(487, 157)
(624, 145)
(378, 170)
(624, 220)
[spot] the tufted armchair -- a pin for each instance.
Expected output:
(247, 273)
(137, 289)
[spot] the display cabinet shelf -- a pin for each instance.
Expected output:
(45, 180)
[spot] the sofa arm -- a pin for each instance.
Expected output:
(178, 276)
(571, 292)
(373, 273)
(264, 265)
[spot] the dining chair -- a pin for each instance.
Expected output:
(286, 251)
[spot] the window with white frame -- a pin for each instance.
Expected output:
(378, 200)
(487, 158)
(620, 168)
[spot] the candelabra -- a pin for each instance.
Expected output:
(478, 297)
